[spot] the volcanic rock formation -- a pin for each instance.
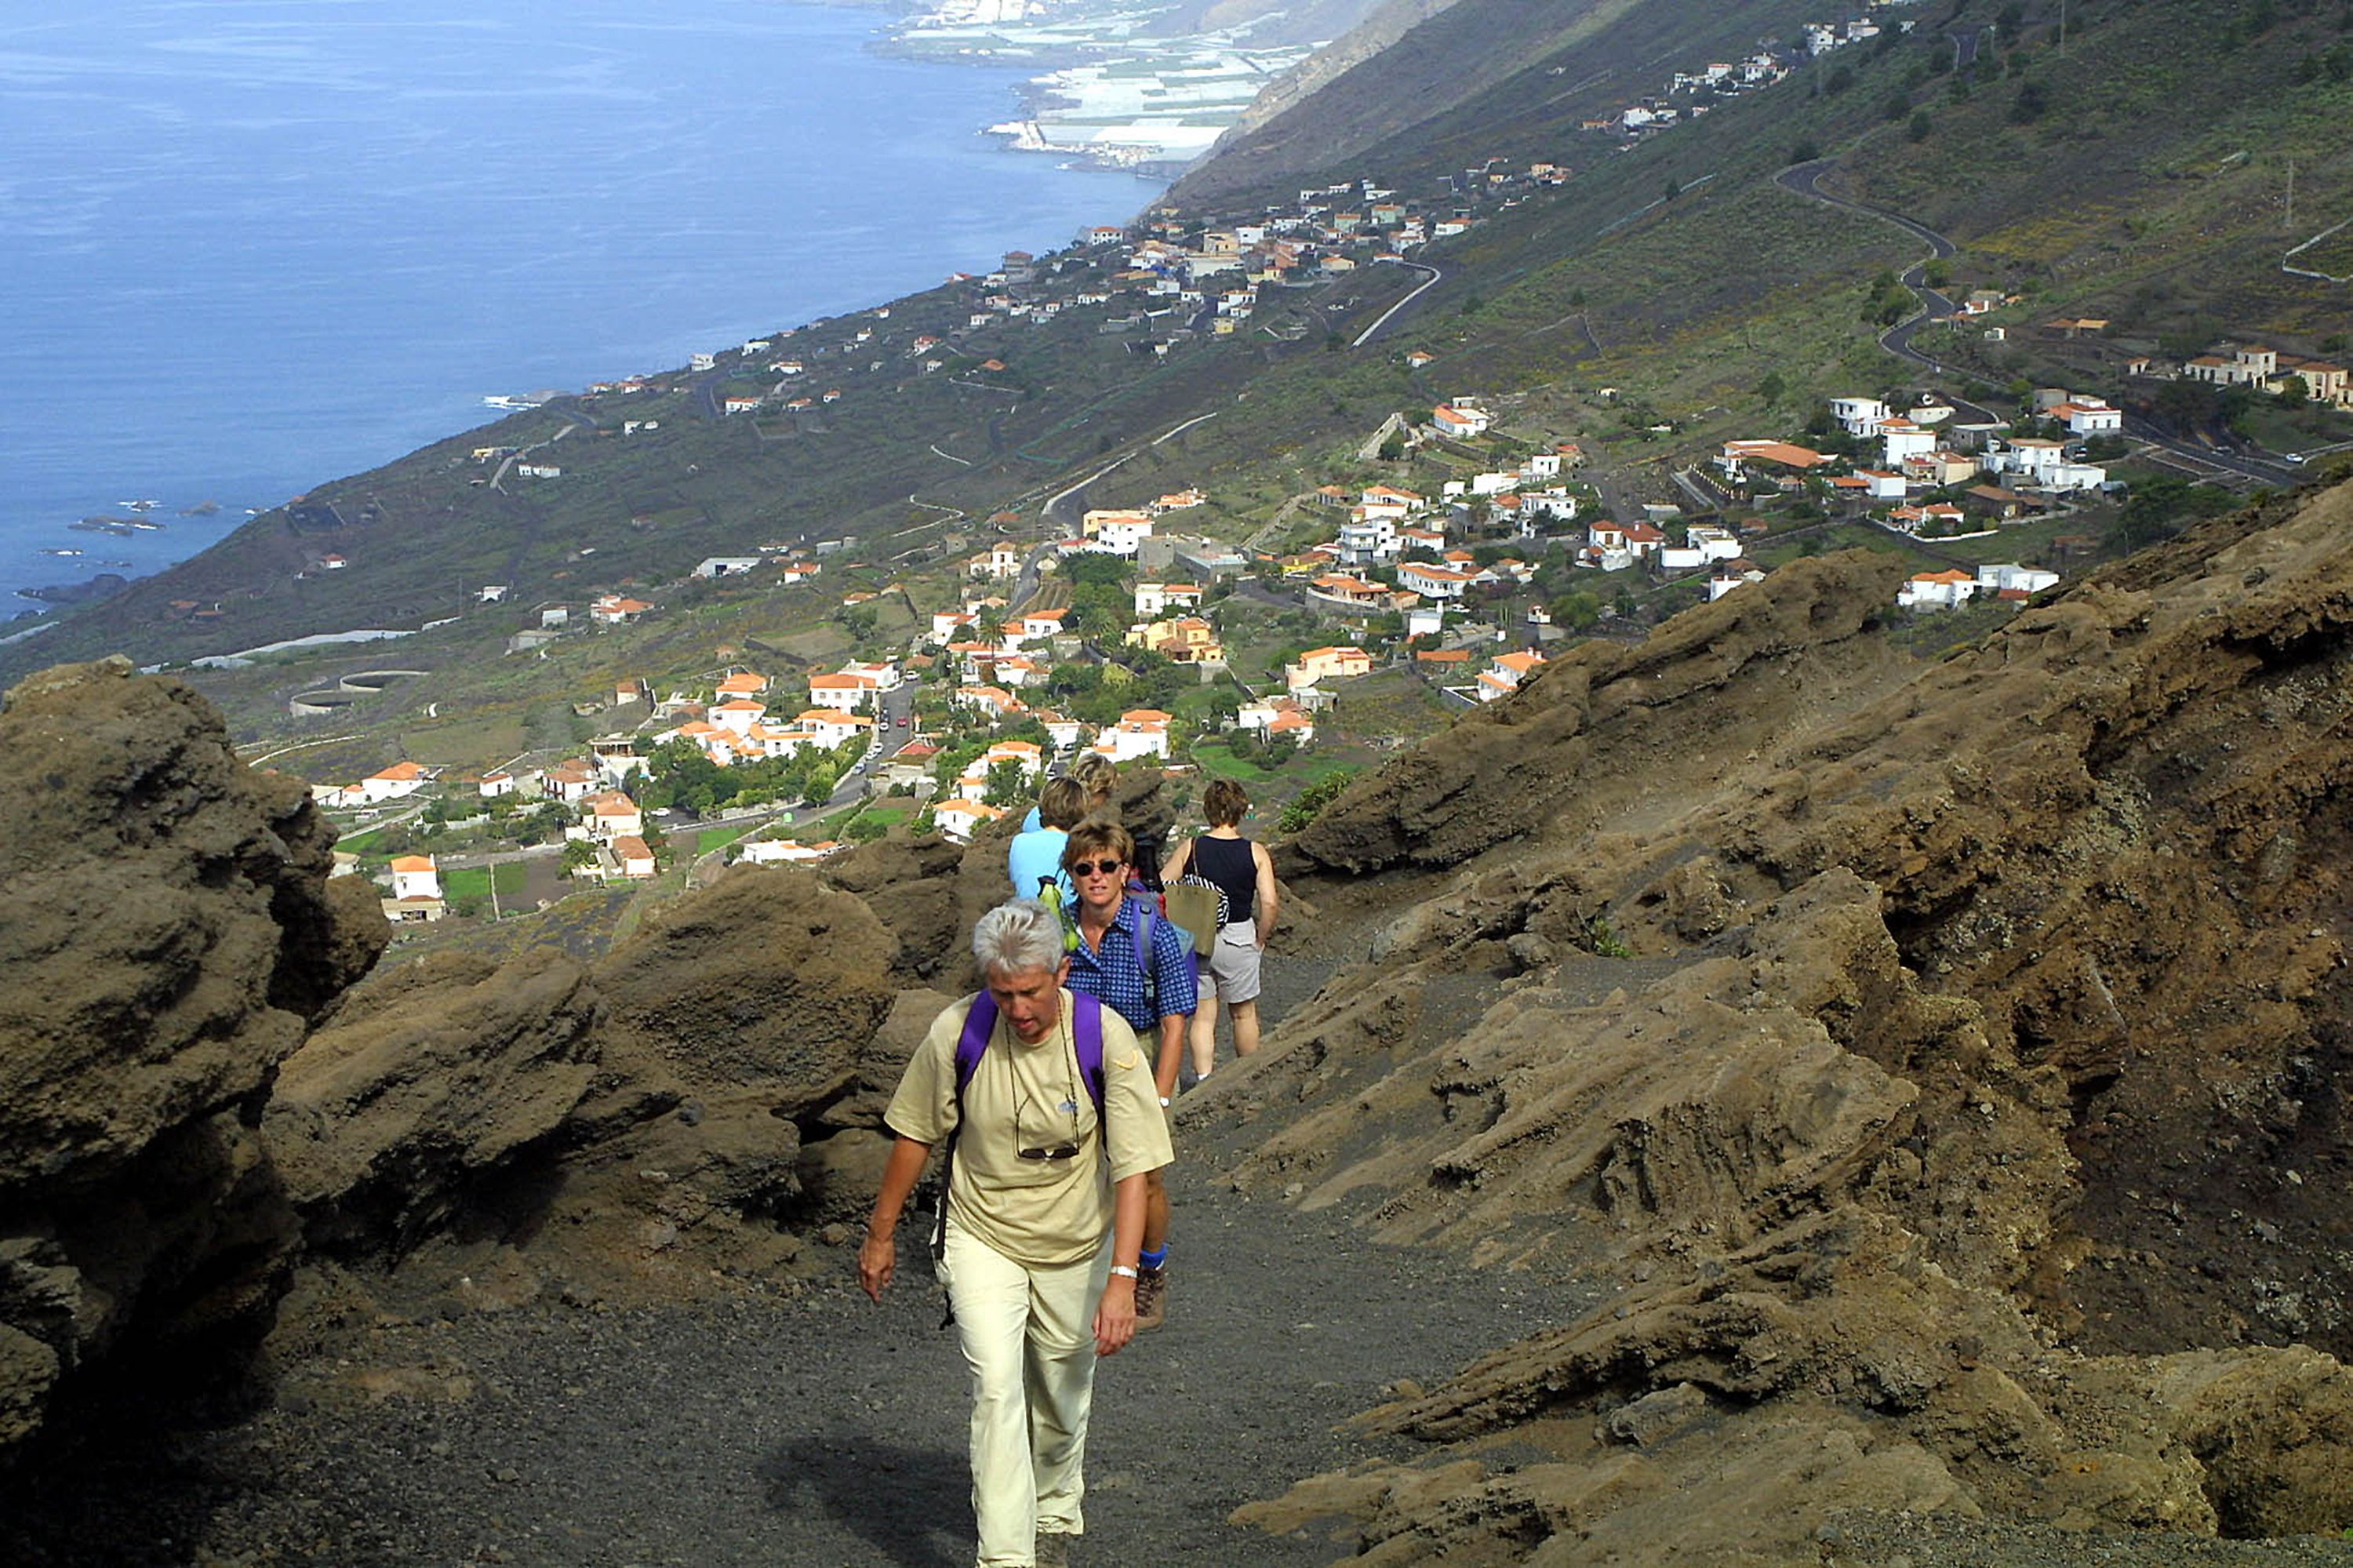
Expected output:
(170, 928)
(1949, 1074)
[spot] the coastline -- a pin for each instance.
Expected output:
(1109, 94)
(301, 385)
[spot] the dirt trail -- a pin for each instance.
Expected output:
(814, 1430)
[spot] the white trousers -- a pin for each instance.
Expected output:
(1027, 1334)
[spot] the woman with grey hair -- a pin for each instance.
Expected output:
(1053, 1121)
(1023, 934)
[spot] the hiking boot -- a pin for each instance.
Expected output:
(1151, 1299)
(1053, 1549)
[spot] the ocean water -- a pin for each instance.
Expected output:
(248, 246)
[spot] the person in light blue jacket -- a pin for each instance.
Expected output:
(1035, 857)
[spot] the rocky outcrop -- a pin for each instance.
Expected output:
(171, 926)
(631, 1126)
(193, 1091)
(1941, 1061)
(387, 1119)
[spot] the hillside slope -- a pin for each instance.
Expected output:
(2108, 173)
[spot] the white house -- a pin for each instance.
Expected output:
(725, 566)
(1026, 755)
(392, 783)
(2045, 463)
(1859, 416)
(2009, 577)
(842, 692)
(1154, 599)
(1368, 541)
(1117, 533)
(1140, 731)
(1038, 624)
(1503, 677)
(739, 713)
(996, 561)
(1460, 419)
(570, 781)
(1433, 582)
(1387, 501)
(1703, 543)
(1937, 590)
(611, 813)
(499, 783)
(959, 818)
(1730, 574)
(415, 876)
(831, 726)
(2089, 417)
(415, 891)
(1902, 438)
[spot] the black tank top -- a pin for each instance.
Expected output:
(1229, 863)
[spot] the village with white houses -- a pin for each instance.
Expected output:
(1690, 93)
(964, 718)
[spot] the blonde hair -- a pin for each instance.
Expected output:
(1095, 773)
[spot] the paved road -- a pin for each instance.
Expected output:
(1366, 337)
(1804, 180)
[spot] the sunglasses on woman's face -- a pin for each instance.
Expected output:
(1097, 867)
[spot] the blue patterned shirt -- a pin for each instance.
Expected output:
(1112, 974)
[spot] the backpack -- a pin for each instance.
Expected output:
(979, 1023)
(1147, 910)
(1200, 906)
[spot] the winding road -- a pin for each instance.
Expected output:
(1804, 179)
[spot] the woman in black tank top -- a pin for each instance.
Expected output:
(1244, 872)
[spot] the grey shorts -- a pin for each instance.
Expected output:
(1231, 970)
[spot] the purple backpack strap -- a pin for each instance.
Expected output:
(1086, 1031)
(978, 1024)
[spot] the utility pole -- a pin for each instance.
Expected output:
(2291, 195)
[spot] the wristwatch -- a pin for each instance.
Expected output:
(1126, 1271)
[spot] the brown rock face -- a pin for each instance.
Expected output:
(386, 1120)
(636, 1125)
(1946, 1058)
(768, 980)
(170, 927)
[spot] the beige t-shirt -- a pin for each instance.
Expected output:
(1041, 1212)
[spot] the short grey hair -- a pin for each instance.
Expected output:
(1017, 936)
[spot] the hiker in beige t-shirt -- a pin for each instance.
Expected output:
(1037, 1177)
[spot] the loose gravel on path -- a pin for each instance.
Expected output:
(820, 1430)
